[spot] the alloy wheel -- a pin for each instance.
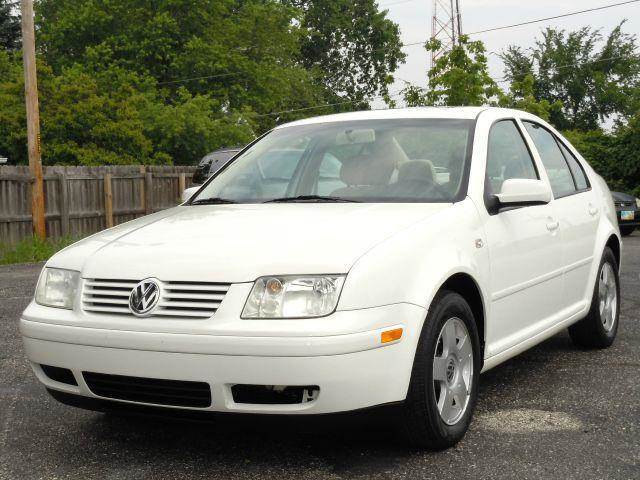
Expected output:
(607, 296)
(453, 370)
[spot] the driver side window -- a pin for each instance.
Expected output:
(507, 156)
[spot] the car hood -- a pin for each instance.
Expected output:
(623, 197)
(239, 243)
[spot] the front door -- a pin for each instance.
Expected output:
(525, 248)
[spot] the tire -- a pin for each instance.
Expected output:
(424, 425)
(598, 329)
(626, 231)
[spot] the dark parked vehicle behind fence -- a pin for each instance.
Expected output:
(212, 162)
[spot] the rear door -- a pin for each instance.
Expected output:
(524, 244)
(576, 208)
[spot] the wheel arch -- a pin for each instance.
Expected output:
(467, 287)
(614, 244)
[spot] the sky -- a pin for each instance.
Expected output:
(414, 19)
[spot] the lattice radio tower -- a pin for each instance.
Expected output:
(446, 26)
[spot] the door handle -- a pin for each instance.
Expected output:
(552, 226)
(593, 211)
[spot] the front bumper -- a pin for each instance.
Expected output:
(353, 370)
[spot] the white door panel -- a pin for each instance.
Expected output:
(578, 217)
(525, 251)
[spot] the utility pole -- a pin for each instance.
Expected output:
(446, 26)
(33, 117)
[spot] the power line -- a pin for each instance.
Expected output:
(327, 105)
(395, 3)
(578, 64)
(219, 75)
(538, 20)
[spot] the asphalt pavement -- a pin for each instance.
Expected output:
(553, 412)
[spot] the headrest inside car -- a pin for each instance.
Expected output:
(367, 170)
(417, 171)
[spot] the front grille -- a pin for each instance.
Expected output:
(625, 204)
(175, 393)
(177, 299)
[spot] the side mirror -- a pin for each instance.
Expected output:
(522, 192)
(189, 192)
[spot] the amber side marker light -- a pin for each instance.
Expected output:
(391, 335)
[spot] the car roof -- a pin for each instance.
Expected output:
(468, 113)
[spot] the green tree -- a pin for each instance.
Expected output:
(351, 47)
(13, 133)
(243, 54)
(459, 77)
(593, 76)
(10, 30)
(521, 96)
(113, 116)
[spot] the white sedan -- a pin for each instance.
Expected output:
(340, 263)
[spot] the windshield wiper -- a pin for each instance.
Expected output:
(212, 201)
(310, 198)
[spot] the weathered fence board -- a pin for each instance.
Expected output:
(80, 201)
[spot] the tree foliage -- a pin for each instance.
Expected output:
(10, 30)
(111, 116)
(459, 77)
(351, 47)
(521, 97)
(592, 75)
(157, 81)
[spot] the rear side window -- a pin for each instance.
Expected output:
(576, 169)
(553, 160)
(507, 155)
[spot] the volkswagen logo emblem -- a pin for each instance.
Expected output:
(144, 297)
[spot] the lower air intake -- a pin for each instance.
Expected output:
(58, 374)
(175, 393)
(274, 394)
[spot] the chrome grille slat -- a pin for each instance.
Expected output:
(204, 305)
(196, 287)
(115, 301)
(195, 296)
(178, 299)
(111, 285)
(180, 313)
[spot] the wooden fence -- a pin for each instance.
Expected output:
(80, 201)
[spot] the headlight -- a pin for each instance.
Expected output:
(293, 296)
(57, 288)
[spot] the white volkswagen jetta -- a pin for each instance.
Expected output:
(339, 263)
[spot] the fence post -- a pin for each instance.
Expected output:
(143, 195)
(148, 190)
(108, 200)
(65, 228)
(182, 184)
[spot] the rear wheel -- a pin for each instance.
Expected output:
(598, 329)
(626, 231)
(444, 381)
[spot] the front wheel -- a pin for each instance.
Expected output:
(598, 329)
(444, 382)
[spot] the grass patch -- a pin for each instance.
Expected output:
(32, 250)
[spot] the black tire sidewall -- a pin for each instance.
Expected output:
(445, 306)
(608, 337)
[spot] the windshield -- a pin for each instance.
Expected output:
(365, 161)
